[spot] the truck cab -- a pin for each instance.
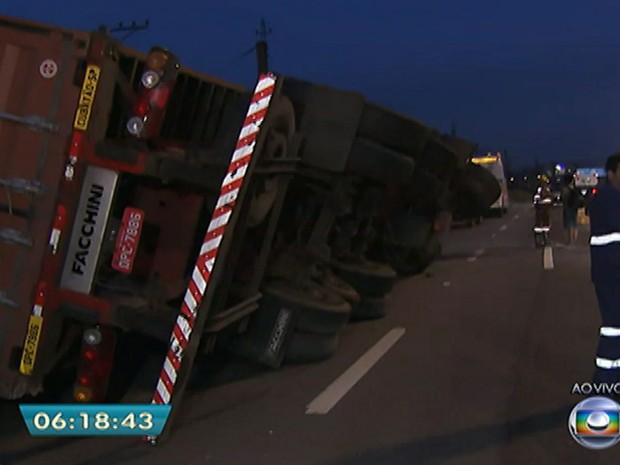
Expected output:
(494, 164)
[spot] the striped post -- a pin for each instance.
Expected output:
(199, 281)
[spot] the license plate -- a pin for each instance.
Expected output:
(128, 240)
(29, 354)
(87, 97)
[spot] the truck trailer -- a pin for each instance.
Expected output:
(121, 171)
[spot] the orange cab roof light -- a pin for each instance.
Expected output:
(486, 159)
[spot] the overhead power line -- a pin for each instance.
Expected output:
(128, 29)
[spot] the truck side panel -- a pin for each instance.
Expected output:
(38, 95)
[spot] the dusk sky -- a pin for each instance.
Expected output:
(539, 78)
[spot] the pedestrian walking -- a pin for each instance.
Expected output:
(604, 211)
(571, 202)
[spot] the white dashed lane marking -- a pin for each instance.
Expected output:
(345, 382)
(548, 258)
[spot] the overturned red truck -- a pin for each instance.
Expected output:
(143, 197)
(113, 164)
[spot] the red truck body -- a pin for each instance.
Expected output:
(100, 227)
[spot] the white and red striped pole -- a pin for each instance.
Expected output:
(199, 281)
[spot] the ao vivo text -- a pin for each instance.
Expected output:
(596, 388)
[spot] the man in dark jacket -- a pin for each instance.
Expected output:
(604, 211)
(571, 201)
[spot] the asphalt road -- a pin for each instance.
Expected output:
(492, 346)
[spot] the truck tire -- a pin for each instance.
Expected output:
(267, 336)
(281, 117)
(279, 129)
(410, 260)
(379, 163)
(428, 254)
(340, 286)
(319, 310)
(262, 199)
(368, 278)
(309, 348)
(370, 308)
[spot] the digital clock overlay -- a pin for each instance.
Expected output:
(95, 419)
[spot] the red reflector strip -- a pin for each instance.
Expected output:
(77, 141)
(39, 298)
(199, 282)
(61, 217)
(58, 227)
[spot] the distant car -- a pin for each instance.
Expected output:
(588, 182)
(587, 193)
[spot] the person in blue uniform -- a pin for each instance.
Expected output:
(604, 212)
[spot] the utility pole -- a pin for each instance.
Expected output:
(261, 47)
(130, 29)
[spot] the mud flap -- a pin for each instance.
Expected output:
(268, 336)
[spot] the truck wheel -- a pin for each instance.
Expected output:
(381, 164)
(281, 117)
(368, 278)
(279, 128)
(413, 259)
(340, 286)
(421, 258)
(308, 348)
(263, 198)
(319, 310)
(370, 308)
